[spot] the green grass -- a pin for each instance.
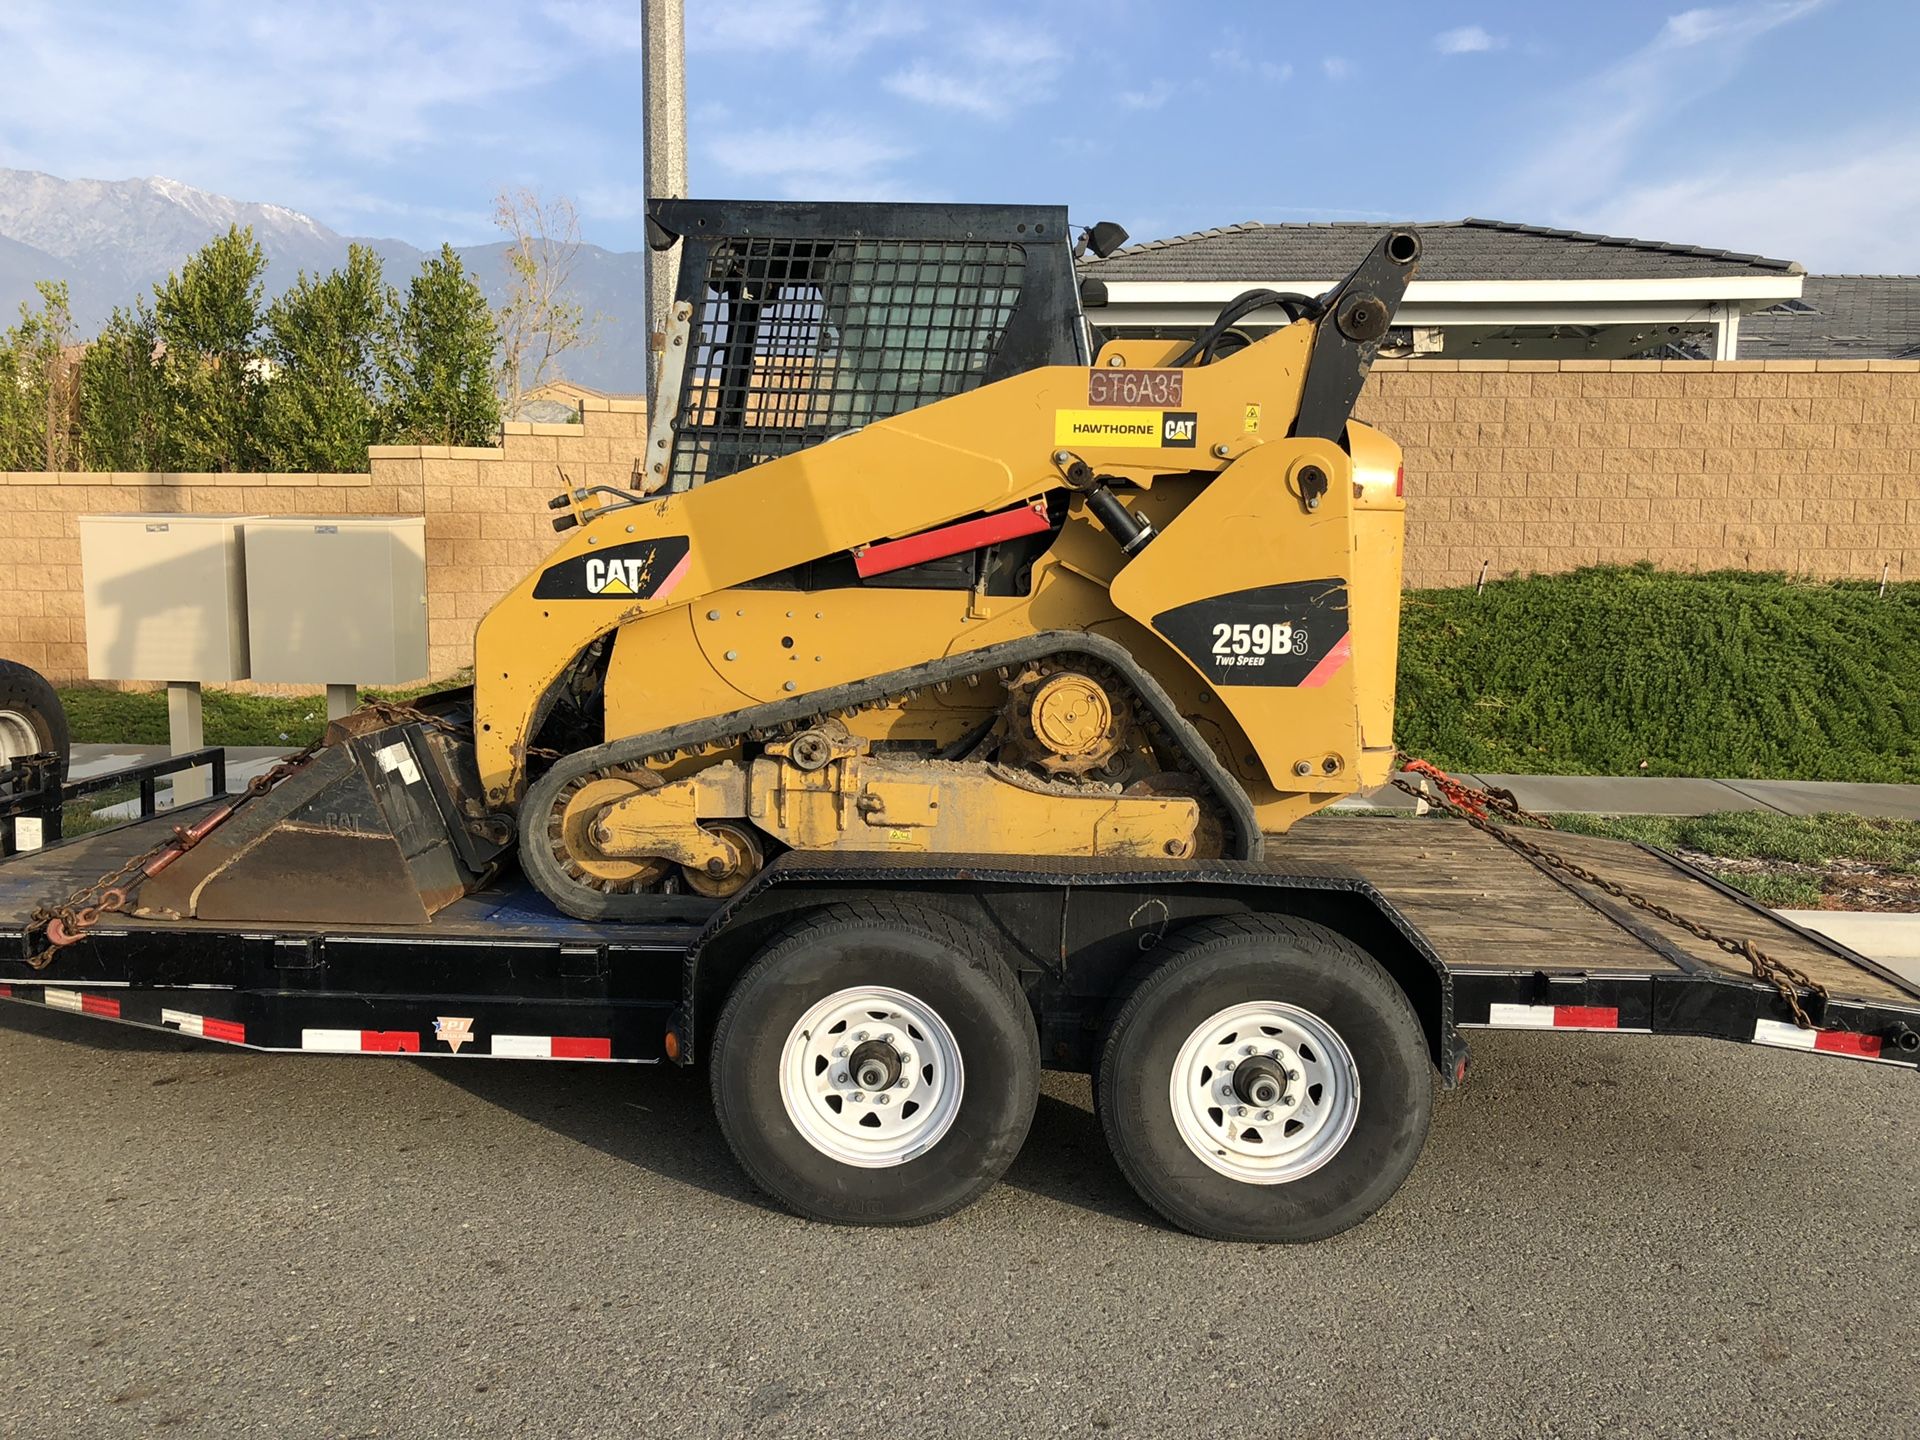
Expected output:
(96, 715)
(1615, 671)
(1628, 671)
(1790, 861)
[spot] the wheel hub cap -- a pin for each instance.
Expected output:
(1265, 1093)
(871, 1077)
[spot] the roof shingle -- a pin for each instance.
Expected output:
(1455, 250)
(1860, 317)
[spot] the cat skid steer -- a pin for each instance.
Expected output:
(943, 701)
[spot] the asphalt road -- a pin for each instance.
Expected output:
(1607, 1234)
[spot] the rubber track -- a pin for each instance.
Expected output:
(1245, 840)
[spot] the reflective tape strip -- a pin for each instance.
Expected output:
(6, 992)
(553, 1047)
(81, 1003)
(1826, 1042)
(1554, 1017)
(362, 1042)
(205, 1026)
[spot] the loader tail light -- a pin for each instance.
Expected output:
(1399, 482)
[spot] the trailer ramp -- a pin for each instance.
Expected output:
(1529, 947)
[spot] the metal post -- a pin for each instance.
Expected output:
(342, 700)
(665, 84)
(185, 732)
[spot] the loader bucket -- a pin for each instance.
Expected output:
(378, 828)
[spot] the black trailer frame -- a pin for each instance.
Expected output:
(501, 974)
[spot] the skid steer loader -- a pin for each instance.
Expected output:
(916, 563)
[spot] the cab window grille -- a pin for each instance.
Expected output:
(796, 340)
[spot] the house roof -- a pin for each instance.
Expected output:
(1455, 250)
(1861, 317)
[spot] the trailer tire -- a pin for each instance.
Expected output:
(32, 719)
(1352, 1070)
(948, 1031)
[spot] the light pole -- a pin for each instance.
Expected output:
(664, 79)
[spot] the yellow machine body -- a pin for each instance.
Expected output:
(1228, 512)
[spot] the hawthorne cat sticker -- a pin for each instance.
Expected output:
(1135, 429)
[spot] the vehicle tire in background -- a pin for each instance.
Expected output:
(31, 718)
(876, 1065)
(1268, 1081)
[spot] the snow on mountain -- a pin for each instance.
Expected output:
(113, 240)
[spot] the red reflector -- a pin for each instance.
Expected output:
(1399, 481)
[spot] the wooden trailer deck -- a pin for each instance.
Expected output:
(1484, 907)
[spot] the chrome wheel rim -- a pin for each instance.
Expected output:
(17, 737)
(1277, 1050)
(871, 1077)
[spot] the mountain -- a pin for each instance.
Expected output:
(113, 240)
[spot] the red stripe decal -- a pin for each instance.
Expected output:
(6, 992)
(1329, 662)
(1587, 1017)
(674, 577)
(1846, 1042)
(99, 1005)
(950, 540)
(582, 1047)
(390, 1042)
(231, 1031)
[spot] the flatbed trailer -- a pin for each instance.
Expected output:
(1473, 933)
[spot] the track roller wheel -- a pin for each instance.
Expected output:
(875, 1066)
(1267, 1081)
(748, 858)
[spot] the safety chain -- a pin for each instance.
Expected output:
(1485, 807)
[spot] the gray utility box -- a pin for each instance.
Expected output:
(337, 600)
(165, 597)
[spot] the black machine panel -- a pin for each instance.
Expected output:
(1292, 634)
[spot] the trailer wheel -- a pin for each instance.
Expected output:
(1268, 1081)
(876, 1065)
(32, 720)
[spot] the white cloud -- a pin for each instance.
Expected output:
(1228, 57)
(986, 69)
(270, 102)
(1857, 213)
(1151, 98)
(822, 31)
(824, 159)
(1467, 40)
(1595, 146)
(604, 24)
(1336, 67)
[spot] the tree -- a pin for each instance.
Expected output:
(121, 409)
(540, 321)
(322, 348)
(37, 385)
(438, 361)
(208, 318)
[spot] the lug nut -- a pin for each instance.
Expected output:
(1246, 1049)
(841, 1053)
(860, 1037)
(1239, 1112)
(903, 1083)
(1264, 1114)
(883, 1099)
(1293, 1074)
(841, 1078)
(857, 1098)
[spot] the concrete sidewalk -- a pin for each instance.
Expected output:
(1662, 795)
(1548, 794)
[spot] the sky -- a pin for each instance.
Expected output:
(1788, 128)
